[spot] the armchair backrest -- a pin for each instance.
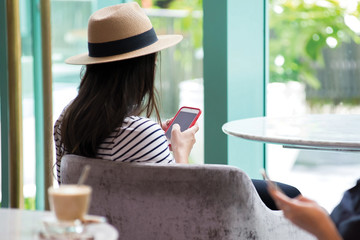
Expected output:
(176, 201)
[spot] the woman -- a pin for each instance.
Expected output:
(104, 121)
(117, 86)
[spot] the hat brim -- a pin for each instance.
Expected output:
(164, 41)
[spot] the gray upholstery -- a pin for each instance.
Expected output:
(173, 201)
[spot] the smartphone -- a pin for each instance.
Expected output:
(186, 117)
(271, 183)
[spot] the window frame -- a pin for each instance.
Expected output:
(232, 75)
(4, 94)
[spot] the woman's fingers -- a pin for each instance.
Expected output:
(277, 195)
(165, 125)
(195, 128)
(281, 200)
(182, 142)
(190, 131)
(175, 129)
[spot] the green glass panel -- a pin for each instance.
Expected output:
(4, 102)
(234, 78)
(38, 107)
(215, 80)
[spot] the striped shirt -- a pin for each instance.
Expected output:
(139, 139)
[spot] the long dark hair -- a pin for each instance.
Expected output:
(108, 93)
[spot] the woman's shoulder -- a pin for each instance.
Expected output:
(139, 123)
(139, 127)
(139, 139)
(137, 118)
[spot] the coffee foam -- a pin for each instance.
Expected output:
(71, 189)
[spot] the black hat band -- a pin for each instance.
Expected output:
(126, 45)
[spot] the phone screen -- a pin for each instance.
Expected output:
(184, 118)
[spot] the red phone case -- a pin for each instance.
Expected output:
(192, 123)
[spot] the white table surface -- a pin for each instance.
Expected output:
(325, 132)
(16, 224)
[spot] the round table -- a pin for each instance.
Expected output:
(17, 224)
(323, 131)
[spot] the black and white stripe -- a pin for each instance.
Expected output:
(139, 139)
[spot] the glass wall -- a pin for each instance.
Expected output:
(0, 162)
(27, 75)
(314, 69)
(3, 95)
(69, 37)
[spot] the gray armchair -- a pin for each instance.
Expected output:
(173, 201)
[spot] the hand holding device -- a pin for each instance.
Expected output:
(186, 117)
(183, 142)
(304, 213)
(270, 183)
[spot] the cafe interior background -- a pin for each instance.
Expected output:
(304, 56)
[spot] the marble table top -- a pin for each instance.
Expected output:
(16, 224)
(324, 132)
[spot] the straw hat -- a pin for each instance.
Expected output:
(121, 32)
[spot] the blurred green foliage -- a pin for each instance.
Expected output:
(299, 32)
(192, 23)
(29, 203)
(190, 27)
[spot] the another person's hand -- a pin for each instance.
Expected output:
(306, 214)
(182, 142)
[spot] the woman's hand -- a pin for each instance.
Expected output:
(182, 142)
(306, 214)
(165, 125)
